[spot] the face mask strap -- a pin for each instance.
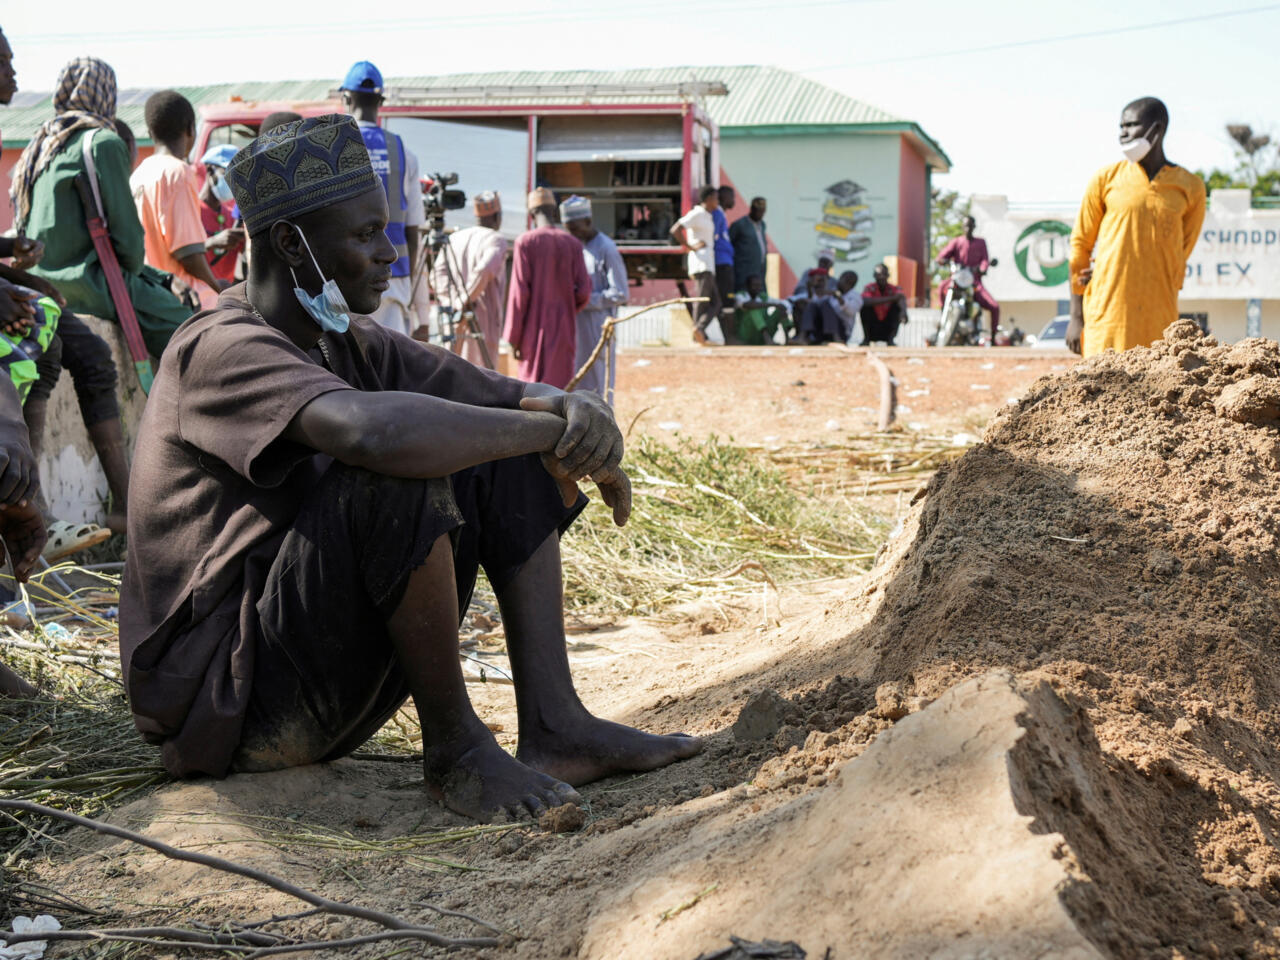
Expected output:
(303, 236)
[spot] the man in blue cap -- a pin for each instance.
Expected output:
(321, 493)
(218, 214)
(398, 169)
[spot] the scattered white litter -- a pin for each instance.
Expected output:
(903, 408)
(987, 366)
(923, 380)
(835, 424)
(894, 380)
(918, 393)
(767, 352)
(1014, 401)
(1058, 366)
(963, 440)
(916, 361)
(670, 425)
(657, 389)
(771, 438)
(642, 362)
(917, 427)
(1021, 366)
(29, 949)
(979, 386)
(795, 351)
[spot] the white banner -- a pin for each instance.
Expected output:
(1237, 256)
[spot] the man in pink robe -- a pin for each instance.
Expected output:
(549, 285)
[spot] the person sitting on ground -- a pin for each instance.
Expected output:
(321, 493)
(804, 285)
(832, 318)
(759, 317)
(167, 196)
(884, 307)
(218, 215)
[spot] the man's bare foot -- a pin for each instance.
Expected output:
(485, 782)
(699, 337)
(592, 748)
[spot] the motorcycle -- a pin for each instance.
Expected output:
(961, 322)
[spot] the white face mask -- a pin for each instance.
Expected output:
(1135, 150)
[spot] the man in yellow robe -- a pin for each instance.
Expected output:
(1138, 223)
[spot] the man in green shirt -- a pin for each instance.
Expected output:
(48, 208)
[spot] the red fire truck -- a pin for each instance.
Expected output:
(640, 152)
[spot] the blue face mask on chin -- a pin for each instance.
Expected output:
(328, 308)
(221, 189)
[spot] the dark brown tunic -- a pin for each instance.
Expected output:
(214, 489)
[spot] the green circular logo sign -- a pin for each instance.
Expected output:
(1043, 251)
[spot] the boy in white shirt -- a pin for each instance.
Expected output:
(695, 231)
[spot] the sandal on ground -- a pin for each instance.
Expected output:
(66, 538)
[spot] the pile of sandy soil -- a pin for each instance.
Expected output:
(1045, 725)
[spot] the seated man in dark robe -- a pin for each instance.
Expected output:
(317, 494)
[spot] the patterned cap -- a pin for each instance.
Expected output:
(486, 203)
(575, 208)
(299, 167)
(540, 197)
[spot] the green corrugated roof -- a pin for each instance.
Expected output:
(760, 97)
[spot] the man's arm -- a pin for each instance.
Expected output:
(951, 251)
(616, 291)
(1192, 221)
(1083, 237)
(416, 435)
(581, 281)
(196, 264)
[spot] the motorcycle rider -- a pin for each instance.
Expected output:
(970, 251)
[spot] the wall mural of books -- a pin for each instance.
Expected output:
(846, 223)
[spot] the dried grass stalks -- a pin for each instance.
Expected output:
(709, 516)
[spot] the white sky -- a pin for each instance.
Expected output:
(1032, 121)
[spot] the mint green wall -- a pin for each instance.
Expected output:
(793, 171)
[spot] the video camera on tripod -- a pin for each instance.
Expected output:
(454, 315)
(436, 199)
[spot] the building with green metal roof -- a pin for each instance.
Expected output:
(838, 173)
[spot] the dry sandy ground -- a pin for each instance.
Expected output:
(840, 814)
(790, 394)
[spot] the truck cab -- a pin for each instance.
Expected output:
(640, 152)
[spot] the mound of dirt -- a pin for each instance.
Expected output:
(1116, 534)
(1046, 724)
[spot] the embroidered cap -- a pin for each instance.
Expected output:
(575, 208)
(299, 167)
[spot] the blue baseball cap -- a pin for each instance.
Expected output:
(363, 77)
(219, 156)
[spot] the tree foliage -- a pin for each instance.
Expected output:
(946, 220)
(1257, 166)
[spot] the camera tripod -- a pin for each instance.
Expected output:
(454, 321)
